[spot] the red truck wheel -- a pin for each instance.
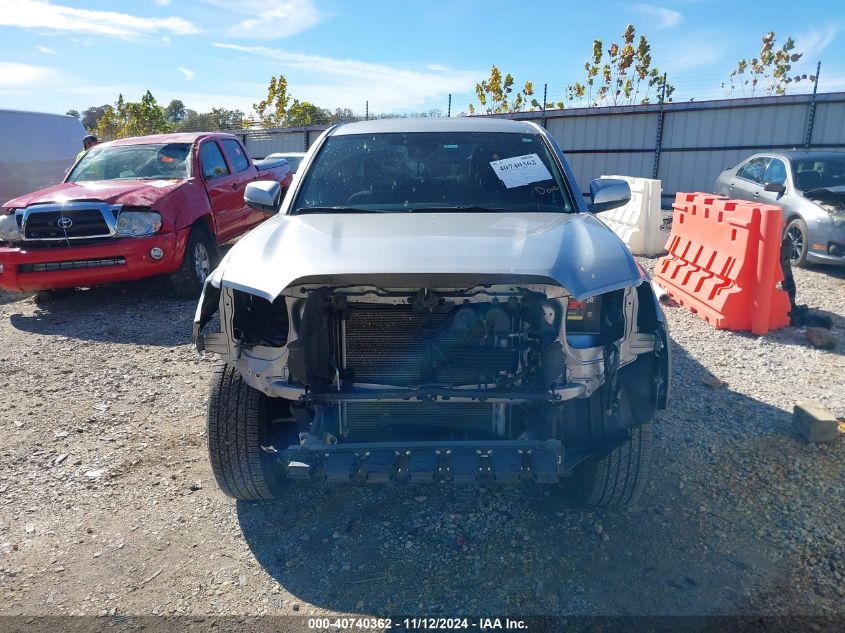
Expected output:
(201, 257)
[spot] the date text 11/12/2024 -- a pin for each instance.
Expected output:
(416, 624)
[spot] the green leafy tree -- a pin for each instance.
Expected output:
(175, 111)
(272, 110)
(145, 117)
(769, 72)
(73, 113)
(108, 126)
(494, 94)
(302, 113)
(132, 118)
(91, 116)
(341, 115)
(621, 75)
(217, 120)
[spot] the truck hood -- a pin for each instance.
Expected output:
(575, 251)
(130, 192)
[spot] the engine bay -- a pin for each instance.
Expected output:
(361, 364)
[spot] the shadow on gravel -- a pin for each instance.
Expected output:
(833, 271)
(143, 312)
(797, 336)
(407, 549)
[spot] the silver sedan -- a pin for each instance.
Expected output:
(810, 186)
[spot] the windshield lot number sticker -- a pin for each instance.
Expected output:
(520, 170)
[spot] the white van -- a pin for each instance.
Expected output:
(36, 150)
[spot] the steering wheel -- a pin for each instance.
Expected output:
(359, 197)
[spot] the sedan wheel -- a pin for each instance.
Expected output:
(796, 232)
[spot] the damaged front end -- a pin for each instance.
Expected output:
(444, 377)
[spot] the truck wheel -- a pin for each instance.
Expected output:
(200, 259)
(618, 478)
(238, 426)
(796, 231)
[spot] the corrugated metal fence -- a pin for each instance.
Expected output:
(685, 145)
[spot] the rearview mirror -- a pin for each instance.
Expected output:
(264, 196)
(608, 193)
(775, 187)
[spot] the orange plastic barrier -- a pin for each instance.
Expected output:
(724, 262)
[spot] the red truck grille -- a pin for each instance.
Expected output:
(74, 264)
(70, 221)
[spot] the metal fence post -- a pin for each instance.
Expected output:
(811, 110)
(659, 140)
(545, 94)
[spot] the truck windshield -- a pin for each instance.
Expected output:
(433, 171)
(136, 162)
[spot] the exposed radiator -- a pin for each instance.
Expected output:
(394, 345)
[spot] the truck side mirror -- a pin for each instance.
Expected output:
(264, 196)
(608, 193)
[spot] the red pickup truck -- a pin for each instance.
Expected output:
(134, 208)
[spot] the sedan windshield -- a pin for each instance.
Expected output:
(136, 162)
(433, 171)
(819, 172)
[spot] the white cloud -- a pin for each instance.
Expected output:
(349, 82)
(14, 75)
(695, 51)
(189, 74)
(813, 42)
(205, 101)
(270, 19)
(42, 14)
(830, 82)
(665, 17)
(162, 3)
(45, 49)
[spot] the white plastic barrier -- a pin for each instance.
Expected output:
(638, 222)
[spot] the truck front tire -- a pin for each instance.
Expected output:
(238, 427)
(617, 478)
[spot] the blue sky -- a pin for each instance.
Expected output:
(401, 56)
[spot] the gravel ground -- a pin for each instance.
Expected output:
(108, 505)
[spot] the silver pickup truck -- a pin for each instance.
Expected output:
(434, 301)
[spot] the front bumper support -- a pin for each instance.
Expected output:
(503, 462)
(387, 393)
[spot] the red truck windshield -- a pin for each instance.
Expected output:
(436, 171)
(135, 162)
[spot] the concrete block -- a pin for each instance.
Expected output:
(813, 423)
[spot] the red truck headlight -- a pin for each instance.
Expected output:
(137, 223)
(9, 230)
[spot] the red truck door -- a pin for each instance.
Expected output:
(246, 171)
(225, 190)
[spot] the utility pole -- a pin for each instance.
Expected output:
(449, 110)
(367, 112)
